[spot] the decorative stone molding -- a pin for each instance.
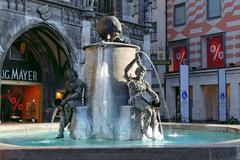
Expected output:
(44, 12)
(135, 32)
(13, 5)
(148, 28)
(72, 16)
(88, 14)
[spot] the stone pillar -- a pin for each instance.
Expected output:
(86, 36)
(148, 13)
(234, 99)
(126, 11)
(198, 110)
(147, 40)
(86, 33)
(88, 16)
(146, 49)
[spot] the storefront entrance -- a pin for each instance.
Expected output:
(31, 74)
(211, 102)
(178, 105)
(21, 103)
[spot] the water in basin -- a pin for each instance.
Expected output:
(179, 137)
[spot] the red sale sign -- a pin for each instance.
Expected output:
(215, 55)
(179, 57)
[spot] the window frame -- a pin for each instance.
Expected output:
(214, 17)
(153, 36)
(185, 14)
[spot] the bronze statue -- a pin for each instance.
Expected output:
(71, 99)
(137, 87)
(109, 28)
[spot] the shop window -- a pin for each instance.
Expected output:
(179, 14)
(179, 57)
(210, 93)
(215, 53)
(213, 9)
(20, 103)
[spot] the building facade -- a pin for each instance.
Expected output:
(205, 35)
(39, 39)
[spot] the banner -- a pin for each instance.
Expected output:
(184, 93)
(179, 57)
(222, 95)
(215, 54)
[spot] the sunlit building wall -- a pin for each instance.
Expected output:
(205, 35)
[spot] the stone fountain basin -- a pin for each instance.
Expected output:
(216, 151)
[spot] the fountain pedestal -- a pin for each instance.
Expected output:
(129, 123)
(81, 123)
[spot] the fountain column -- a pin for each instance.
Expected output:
(106, 87)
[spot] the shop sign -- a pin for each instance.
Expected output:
(20, 75)
(161, 62)
(215, 54)
(179, 57)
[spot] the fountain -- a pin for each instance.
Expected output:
(108, 112)
(115, 121)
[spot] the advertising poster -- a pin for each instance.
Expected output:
(179, 57)
(215, 54)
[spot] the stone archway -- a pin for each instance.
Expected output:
(53, 53)
(58, 32)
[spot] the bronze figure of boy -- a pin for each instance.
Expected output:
(137, 87)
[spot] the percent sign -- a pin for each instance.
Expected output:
(180, 57)
(16, 103)
(216, 51)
